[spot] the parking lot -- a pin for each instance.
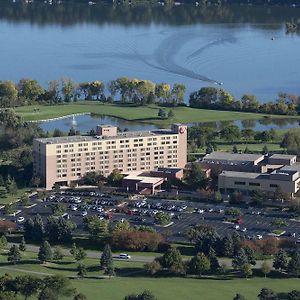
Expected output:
(252, 224)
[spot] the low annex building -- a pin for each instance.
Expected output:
(64, 160)
(272, 173)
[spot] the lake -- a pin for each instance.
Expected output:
(245, 47)
(84, 123)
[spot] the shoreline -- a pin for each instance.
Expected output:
(58, 118)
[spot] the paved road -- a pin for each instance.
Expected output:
(134, 258)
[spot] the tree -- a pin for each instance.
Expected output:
(80, 296)
(294, 265)
(81, 270)
(14, 254)
(199, 264)
(265, 150)
(265, 268)
(227, 246)
(45, 252)
(58, 209)
(68, 89)
(58, 253)
(115, 177)
(27, 285)
(59, 285)
(25, 200)
(22, 246)
(294, 295)
(230, 133)
(250, 255)
(239, 260)
(177, 93)
(8, 94)
(171, 114)
(162, 113)
(30, 89)
(217, 197)
(247, 271)
(172, 261)
(214, 263)
(235, 149)
(34, 229)
(280, 260)
(80, 254)
(47, 294)
(267, 294)
(162, 218)
(59, 230)
(98, 229)
(239, 297)
(57, 132)
(146, 295)
(3, 242)
(73, 250)
(153, 267)
(195, 177)
(106, 257)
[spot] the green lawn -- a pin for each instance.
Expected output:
(252, 147)
(141, 113)
(131, 279)
(12, 198)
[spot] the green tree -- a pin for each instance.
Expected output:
(58, 209)
(14, 254)
(162, 218)
(265, 150)
(22, 246)
(172, 261)
(115, 178)
(27, 285)
(199, 264)
(3, 242)
(58, 253)
(59, 230)
(97, 229)
(177, 93)
(25, 200)
(68, 89)
(106, 257)
(230, 133)
(265, 268)
(227, 246)
(294, 265)
(30, 89)
(250, 255)
(59, 285)
(280, 261)
(294, 295)
(247, 270)
(162, 113)
(195, 177)
(80, 254)
(8, 94)
(235, 149)
(239, 260)
(267, 294)
(45, 252)
(81, 270)
(146, 295)
(80, 296)
(73, 250)
(152, 267)
(47, 294)
(239, 297)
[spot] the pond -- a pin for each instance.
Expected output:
(84, 123)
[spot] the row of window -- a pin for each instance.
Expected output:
(254, 184)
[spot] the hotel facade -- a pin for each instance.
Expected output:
(64, 160)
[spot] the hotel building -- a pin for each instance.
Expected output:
(63, 160)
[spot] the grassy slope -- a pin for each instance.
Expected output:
(164, 288)
(148, 113)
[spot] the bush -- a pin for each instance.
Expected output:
(135, 240)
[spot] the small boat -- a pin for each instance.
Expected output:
(272, 38)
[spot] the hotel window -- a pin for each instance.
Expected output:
(240, 183)
(58, 146)
(254, 184)
(273, 185)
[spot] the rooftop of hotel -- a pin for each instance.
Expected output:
(120, 135)
(232, 157)
(282, 156)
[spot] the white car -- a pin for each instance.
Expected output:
(237, 227)
(20, 219)
(84, 213)
(200, 211)
(259, 236)
(74, 207)
(124, 256)
(244, 229)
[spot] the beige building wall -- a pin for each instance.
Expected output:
(65, 160)
(240, 182)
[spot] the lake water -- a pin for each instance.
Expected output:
(84, 123)
(244, 47)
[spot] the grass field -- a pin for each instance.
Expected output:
(12, 198)
(141, 113)
(131, 279)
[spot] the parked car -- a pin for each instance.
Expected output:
(20, 219)
(84, 213)
(124, 256)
